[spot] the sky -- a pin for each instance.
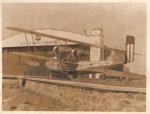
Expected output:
(117, 20)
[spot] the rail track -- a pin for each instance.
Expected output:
(92, 86)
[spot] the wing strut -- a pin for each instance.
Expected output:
(27, 42)
(34, 45)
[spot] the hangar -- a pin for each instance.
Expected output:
(14, 64)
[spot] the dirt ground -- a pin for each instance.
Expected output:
(16, 98)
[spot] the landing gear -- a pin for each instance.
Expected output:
(49, 75)
(74, 76)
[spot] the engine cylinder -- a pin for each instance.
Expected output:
(74, 53)
(55, 49)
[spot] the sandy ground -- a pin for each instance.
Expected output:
(16, 98)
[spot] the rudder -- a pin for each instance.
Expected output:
(130, 45)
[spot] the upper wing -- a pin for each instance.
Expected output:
(79, 40)
(54, 36)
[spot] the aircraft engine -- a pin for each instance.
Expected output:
(61, 50)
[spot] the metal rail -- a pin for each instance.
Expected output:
(83, 85)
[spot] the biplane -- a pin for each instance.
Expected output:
(66, 61)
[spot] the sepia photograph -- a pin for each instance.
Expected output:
(74, 56)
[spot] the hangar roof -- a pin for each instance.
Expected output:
(19, 40)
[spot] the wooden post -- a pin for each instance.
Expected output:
(126, 72)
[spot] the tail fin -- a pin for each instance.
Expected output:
(130, 45)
